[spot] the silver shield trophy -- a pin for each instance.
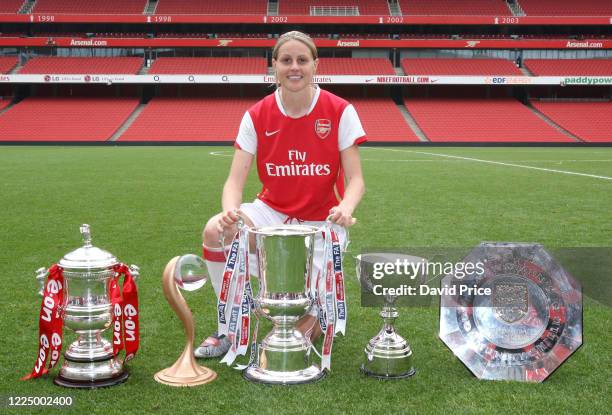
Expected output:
(89, 361)
(285, 255)
(525, 321)
(387, 355)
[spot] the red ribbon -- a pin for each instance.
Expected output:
(50, 323)
(126, 326)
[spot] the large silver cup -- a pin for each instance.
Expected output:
(387, 355)
(284, 256)
(89, 361)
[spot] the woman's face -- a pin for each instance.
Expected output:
(295, 66)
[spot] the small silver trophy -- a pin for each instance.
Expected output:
(387, 355)
(285, 256)
(89, 361)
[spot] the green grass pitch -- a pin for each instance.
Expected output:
(148, 204)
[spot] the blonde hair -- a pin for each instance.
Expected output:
(300, 37)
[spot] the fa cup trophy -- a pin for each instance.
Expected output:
(82, 291)
(387, 355)
(285, 256)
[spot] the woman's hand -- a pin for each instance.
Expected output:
(342, 215)
(228, 219)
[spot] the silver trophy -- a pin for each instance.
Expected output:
(525, 320)
(89, 361)
(387, 355)
(285, 255)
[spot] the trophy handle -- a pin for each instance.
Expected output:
(41, 277)
(135, 271)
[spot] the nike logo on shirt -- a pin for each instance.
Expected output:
(268, 134)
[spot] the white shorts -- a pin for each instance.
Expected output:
(263, 215)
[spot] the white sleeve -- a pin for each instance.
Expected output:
(247, 137)
(350, 128)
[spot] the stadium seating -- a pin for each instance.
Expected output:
(561, 67)
(189, 119)
(567, 7)
(355, 66)
(65, 119)
(7, 63)
(4, 102)
(212, 7)
(209, 66)
(453, 7)
(590, 121)
(459, 66)
(480, 120)
(10, 6)
(301, 7)
(382, 120)
(90, 6)
(61, 65)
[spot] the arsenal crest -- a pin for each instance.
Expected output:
(322, 127)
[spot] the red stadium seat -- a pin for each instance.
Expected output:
(226, 66)
(590, 121)
(212, 7)
(189, 119)
(301, 7)
(562, 67)
(82, 66)
(567, 7)
(459, 66)
(4, 102)
(481, 120)
(65, 119)
(90, 6)
(7, 63)
(382, 120)
(454, 7)
(10, 6)
(355, 66)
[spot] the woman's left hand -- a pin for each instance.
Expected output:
(342, 216)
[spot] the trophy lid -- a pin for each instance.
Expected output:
(88, 256)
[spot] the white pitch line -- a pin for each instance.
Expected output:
(504, 161)
(522, 166)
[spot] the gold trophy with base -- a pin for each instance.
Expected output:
(188, 272)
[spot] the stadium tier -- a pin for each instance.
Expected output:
(82, 66)
(211, 7)
(566, 7)
(382, 120)
(7, 63)
(355, 66)
(10, 6)
(481, 120)
(90, 6)
(65, 119)
(226, 66)
(453, 7)
(459, 66)
(591, 121)
(561, 67)
(357, 7)
(189, 119)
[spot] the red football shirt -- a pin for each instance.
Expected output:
(298, 159)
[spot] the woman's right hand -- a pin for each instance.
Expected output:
(228, 219)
